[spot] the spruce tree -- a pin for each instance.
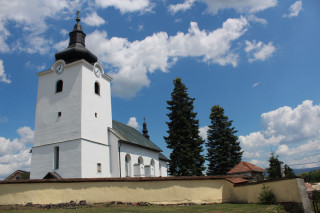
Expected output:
(274, 170)
(224, 151)
(183, 134)
(288, 172)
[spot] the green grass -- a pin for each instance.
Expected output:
(217, 208)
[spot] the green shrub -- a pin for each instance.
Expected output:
(266, 195)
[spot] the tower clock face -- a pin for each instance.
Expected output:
(59, 68)
(97, 69)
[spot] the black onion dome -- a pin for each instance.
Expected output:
(77, 48)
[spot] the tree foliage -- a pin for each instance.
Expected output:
(274, 170)
(183, 134)
(311, 177)
(266, 195)
(224, 151)
(288, 172)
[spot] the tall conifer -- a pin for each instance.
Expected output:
(183, 134)
(224, 151)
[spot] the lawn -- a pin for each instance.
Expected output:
(185, 209)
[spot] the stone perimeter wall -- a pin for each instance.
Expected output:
(169, 190)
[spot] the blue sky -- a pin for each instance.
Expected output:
(259, 60)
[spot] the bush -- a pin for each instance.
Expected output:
(266, 195)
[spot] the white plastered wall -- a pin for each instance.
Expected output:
(49, 128)
(91, 155)
(69, 160)
(92, 127)
(163, 168)
(114, 155)
(135, 152)
(78, 104)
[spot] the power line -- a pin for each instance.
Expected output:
(307, 156)
(304, 163)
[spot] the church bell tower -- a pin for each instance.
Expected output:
(73, 114)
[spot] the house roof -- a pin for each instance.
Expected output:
(244, 166)
(16, 172)
(163, 157)
(52, 175)
(236, 180)
(132, 136)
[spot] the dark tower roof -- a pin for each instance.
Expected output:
(145, 130)
(77, 48)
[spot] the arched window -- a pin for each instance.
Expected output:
(140, 160)
(59, 86)
(97, 88)
(152, 162)
(128, 165)
(152, 169)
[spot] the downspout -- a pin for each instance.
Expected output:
(119, 157)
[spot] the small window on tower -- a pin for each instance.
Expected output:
(96, 115)
(97, 88)
(99, 167)
(59, 114)
(56, 157)
(59, 86)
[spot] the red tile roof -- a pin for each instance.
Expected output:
(244, 166)
(236, 180)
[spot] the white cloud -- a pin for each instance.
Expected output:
(17, 144)
(186, 5)
(214, 6)
(251, 154)
(292, 132)
(256, 19)
(298, 124)
(203, 132)
(260, 163)
(61, 45)
(26, 134)
(256, 140)
(132, 61)
(259, 51)
(64, 32)
(94, 20)
(294, 9)
(133, 123)
(126, 6)
(31, 17)
(34, 44)
(12, 162)
(3, 75)
(286, 126)
(302, 156)
(8, 146)
(140, 27)
(41, 67)
(14, 154)
(32, 66)
(243, 6)
(4, 34)
(255, 84)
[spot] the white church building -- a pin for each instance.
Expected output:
(75, 136)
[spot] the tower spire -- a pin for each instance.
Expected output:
(145, 130)
(77, 46)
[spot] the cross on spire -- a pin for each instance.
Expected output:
(78, 19)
